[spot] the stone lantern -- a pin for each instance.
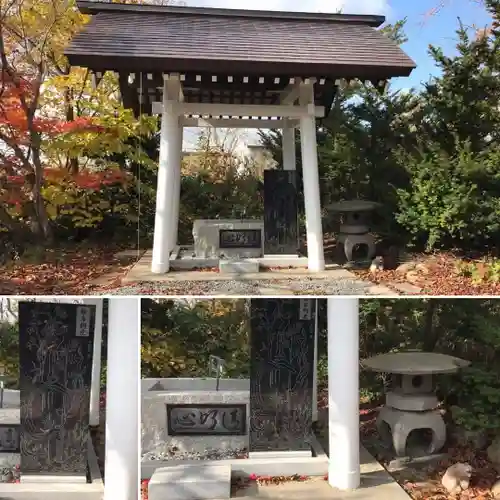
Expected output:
(411, 402)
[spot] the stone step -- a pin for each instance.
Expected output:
(191, 482)
(238, 266)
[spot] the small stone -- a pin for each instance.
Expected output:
(493, 452)
(412, 277)
(422, 269)
(406, 267)
(495, 489)
(377, 265)
(457, 477)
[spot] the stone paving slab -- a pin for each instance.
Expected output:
(407, 288)
(376, 484)
(321, 490)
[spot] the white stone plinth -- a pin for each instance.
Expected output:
(206, 237)
(191, 482)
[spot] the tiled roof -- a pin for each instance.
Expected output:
(182, 39)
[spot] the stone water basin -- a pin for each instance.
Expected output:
(193, 419)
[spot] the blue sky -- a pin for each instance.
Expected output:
(421, 28)
(438, 30)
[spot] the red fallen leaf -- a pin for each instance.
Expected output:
(63, 272)
(442, 278)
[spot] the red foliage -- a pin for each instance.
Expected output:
(15, 130)
(14, 122)
(144, 489)
(96, 180)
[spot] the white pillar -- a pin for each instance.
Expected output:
(316, 258)
(122, 401)
(168, 168)
(95, 387)
(315, 366)
(288, 146)
(343, 393)
(177, 192)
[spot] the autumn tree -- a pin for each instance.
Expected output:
(57, 129)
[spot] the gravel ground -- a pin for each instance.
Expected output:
(298, 286)
(213, 454)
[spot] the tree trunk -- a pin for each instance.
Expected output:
(70, 116)
(43, 228)
(431, 334)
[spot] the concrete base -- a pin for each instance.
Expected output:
(238, 266)
(18, 491)
(203, 481)
(315, 465)
(44, 490)
(141, 271)
(282, 261)
(184, 258)
(376, 484)
(52, 479)
(278, 455)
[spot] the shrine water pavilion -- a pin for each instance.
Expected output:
(209, 67)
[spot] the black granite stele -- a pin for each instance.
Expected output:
(206, 419)
(280, 213)
(55, 348)
(240, 238)
(281, 374)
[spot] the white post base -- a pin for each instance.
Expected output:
(343, 393)
(122, 401)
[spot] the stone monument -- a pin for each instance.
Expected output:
(55, 348)
(280, 213)
(281, 375)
